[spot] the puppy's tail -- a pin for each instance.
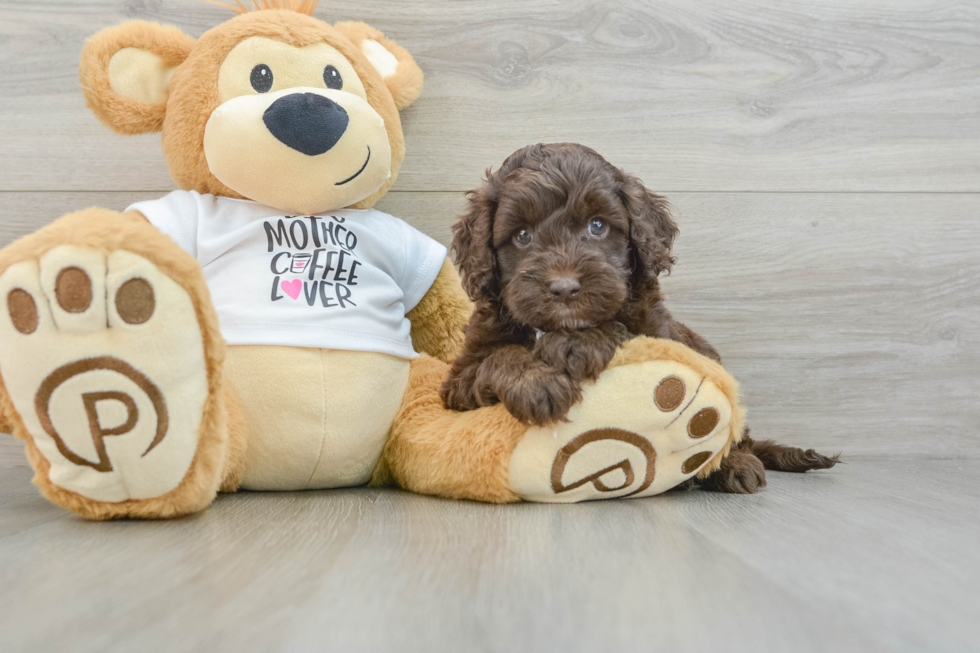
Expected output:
(781, 458)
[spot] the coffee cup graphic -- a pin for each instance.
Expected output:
(300, 261)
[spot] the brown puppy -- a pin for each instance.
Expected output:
(561, 251)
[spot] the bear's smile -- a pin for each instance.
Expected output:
(354, 176)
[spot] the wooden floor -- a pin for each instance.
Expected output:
(880, 555)
(823, 159)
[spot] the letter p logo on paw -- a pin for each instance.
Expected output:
(92, 400)
(110, 422)
(608, 478)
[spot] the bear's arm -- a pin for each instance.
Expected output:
(438, 320)
(6, 426)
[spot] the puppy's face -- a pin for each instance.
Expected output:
(558, 236)
(562, 249)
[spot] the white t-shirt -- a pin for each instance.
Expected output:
(338, 280)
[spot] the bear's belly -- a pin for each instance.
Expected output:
(315, 418)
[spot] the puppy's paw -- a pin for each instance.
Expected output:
(457, 393)
(616, 332)
(573, 354)
(583, 355)
(740, 473)
(542, 398)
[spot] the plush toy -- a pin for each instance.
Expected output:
(259, 328)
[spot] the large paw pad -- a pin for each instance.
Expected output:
(640, 430)
(618, 476)
(104, 360)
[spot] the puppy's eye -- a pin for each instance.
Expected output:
(261, 78)
(598, 228)
(332, 78)
(523, 238)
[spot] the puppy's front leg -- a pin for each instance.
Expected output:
(740, 473)
(485, 334)
(533, 391)
(582, 354)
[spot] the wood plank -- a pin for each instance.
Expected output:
(852, 321)
(11, 452)
(873, 96)
(879, 555)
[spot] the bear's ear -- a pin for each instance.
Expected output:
(125, 73)
(401, 74)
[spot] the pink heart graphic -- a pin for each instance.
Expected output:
(292, 288)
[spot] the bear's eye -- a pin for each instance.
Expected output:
(261, 78)
(332, 78)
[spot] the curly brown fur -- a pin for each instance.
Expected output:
(788, 459)
(561, 252)
(740, 473)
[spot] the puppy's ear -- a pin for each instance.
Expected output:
(473, 243)
(652, 229)
(473, 233)
(125, 73)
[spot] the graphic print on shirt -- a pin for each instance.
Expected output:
(325, 277)
(345, 279)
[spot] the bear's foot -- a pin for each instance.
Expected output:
(659, 415)
(104, 360)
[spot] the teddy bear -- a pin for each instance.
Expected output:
(264, 328)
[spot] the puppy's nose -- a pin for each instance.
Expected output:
(307, 122)
(565, 289)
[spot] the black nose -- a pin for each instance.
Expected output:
(565, 289)
(306, 122)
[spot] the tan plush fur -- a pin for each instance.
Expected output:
(194, 94)
(406, 84)
(438, 320)
(6, 424)
(107, 231)
(300, 6)
(314, 418)
(432, 450)
(234, 469)
(121, 114)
